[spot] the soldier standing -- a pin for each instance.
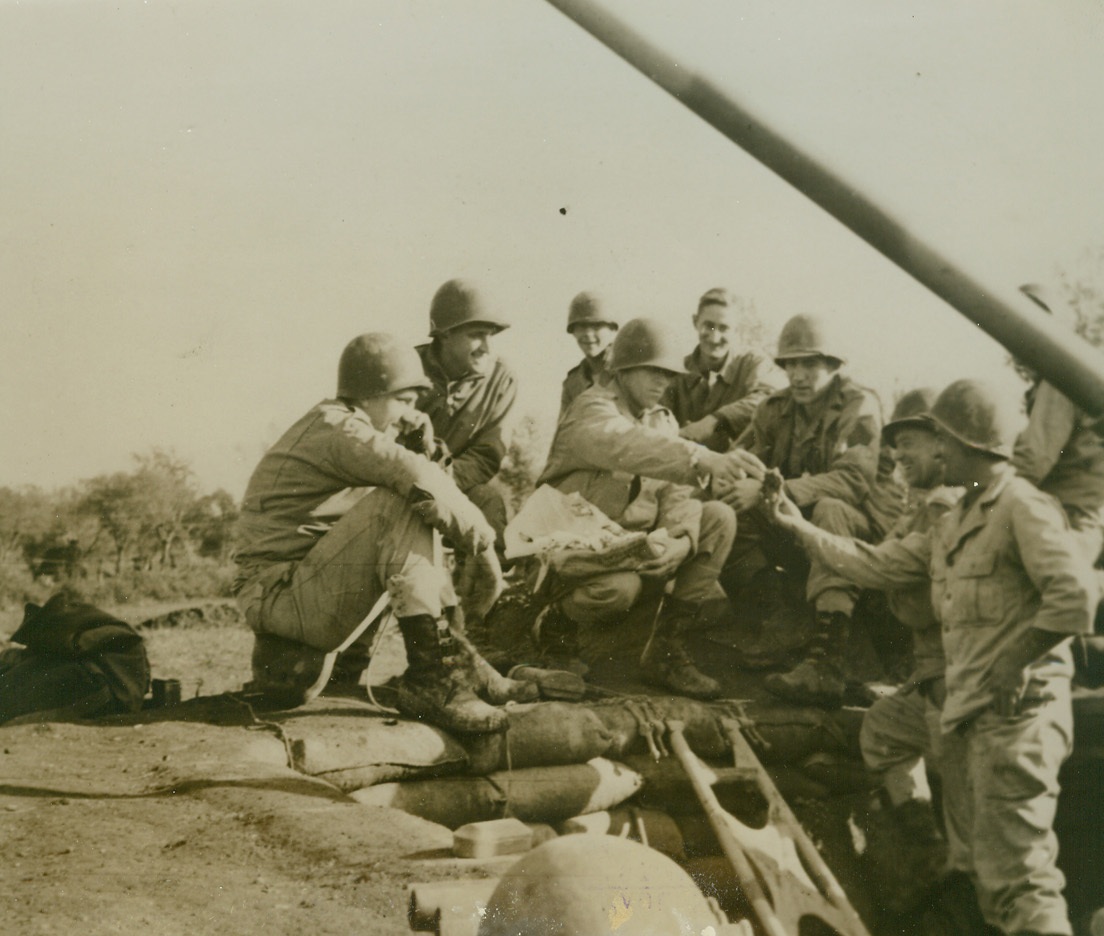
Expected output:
(1010, 588)
(714, 400)
(592, 326)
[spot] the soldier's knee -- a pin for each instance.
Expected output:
(718, 527)
(837, 516)
(601, 601)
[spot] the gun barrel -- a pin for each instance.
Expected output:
(1061, 357)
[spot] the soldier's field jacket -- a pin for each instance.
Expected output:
(835, 454)
(315, 473)
(1002, 565)
(635, 469)
(912, 606)
(474, 431)
(583, 376)
(1061, 451)
(740, 386)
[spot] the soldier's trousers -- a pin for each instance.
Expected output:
(760, 544)
(604, 599)
(380, 545)
(901, 739)
(1007, 770)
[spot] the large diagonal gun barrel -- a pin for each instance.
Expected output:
(1064, 359)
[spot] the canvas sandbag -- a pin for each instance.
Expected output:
(540, 735)
(626, 721)
(532, 794)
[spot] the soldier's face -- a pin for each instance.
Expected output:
(955, 458)
(644, 386)
(467, 350)
(593, 339)
(714, 327)
(385, 411)
(915, 451)
(809, 377)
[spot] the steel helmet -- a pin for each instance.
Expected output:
(594, 885)
(458, 303)
(645, 342)
(806, 336)
(977, 416)
(587, 308)
(374, 364)
(718, 296)
(913, 410)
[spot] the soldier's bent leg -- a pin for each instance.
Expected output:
(342, 577)
(602, 600)
(895, 740)
(696, 579)
(826, 591)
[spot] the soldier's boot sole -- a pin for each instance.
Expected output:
(815, 682)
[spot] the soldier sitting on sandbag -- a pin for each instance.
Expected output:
(76, 662)
(619, 449)
(340, 511)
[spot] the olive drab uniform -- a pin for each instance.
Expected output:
(637, 471)
(828, 454)
(583, 376)
(730, 393)
(901, 732)
(1061, 451)
(998, 568)
(469, 415)
(329, 517)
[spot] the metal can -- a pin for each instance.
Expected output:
(166, 692)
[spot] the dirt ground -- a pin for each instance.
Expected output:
(174, 826)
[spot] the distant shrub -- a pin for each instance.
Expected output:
(201, 578)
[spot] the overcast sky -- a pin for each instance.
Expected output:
(202, 202)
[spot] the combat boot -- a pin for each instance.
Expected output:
(665, 660)
(557, 640)
(437, 685)
(818, 679)
(488, 682)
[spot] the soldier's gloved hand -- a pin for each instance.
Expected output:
(459, 520)
(480, 584)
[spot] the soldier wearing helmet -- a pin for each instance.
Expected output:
(620, 449)
(714, 400)
(592, 326)
(1061, 451)
(900, 737)
(1009, 587)
(337, 513)
(472, 391)
(823, 434)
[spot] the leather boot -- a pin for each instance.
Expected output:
(488, 682)
(437, 686)
(818, 679)
(557, 640)
(665, 661)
